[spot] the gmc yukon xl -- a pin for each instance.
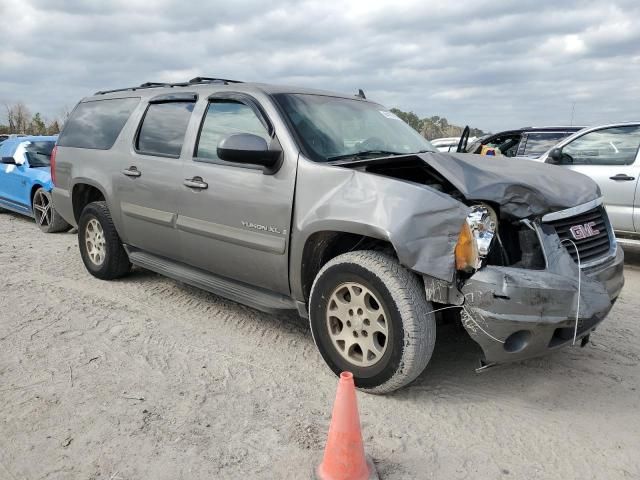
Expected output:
(290, 198)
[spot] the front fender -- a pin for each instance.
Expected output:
(421, 223)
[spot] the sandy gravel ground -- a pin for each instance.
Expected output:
(144, 378)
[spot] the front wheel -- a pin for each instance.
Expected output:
(47, 218)
(369, 316)
(100, 246)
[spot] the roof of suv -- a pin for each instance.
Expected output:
(206, 84)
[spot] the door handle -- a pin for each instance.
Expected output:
(196, 182)
(131, 172)
(622, 177)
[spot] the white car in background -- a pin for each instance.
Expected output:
(609, 155)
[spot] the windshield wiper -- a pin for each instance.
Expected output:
(363, 154)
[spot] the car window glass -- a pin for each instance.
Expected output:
(163, 128)
(39, 153)
(223, 118)
(97, 124)
(538, 143)
(609, 146)
(335, 128)
(508, 144)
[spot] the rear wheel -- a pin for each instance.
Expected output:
(369, 316)
(47, 218)
(100, 245)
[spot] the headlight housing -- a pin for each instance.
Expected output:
(476, 236)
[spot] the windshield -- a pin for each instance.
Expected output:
(332, 128)
(39, 153)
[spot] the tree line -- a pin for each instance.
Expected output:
(18, 119)
(434, 127)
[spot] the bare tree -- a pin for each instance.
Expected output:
(18, 117)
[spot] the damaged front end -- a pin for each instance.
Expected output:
(527, 286)
(557, 291)
(524, 283)
(535, 265)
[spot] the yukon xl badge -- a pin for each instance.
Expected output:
(263, 228)
(580, 232)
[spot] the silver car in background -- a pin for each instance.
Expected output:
(609, 155)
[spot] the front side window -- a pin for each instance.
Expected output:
(163, 128)
(97, 124)
(336, 128)
(224, 118)
(609, 146)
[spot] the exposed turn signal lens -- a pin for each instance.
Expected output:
(466, 251)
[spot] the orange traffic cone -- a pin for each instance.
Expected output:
(344, 457)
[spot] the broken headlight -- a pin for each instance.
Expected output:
(476, 237)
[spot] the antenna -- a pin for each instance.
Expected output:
(573, 110)
(361, 94)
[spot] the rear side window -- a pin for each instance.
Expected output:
(97, 124)
(163, 128)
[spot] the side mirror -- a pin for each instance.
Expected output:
(8, 161)
(555, 155)
(249, 149)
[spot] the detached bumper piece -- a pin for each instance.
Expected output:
(516, 313)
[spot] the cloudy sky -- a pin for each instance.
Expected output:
(489, 63)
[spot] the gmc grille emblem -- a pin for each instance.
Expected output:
(580, 232)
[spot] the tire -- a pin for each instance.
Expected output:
(399, 355)
(100, 245)
(47, 218)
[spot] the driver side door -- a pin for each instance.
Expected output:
(610, 157)
(233, 219)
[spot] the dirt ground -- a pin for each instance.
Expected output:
(145, 378)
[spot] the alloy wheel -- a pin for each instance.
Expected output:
(42, 209)
(95, 242)
(357, 324)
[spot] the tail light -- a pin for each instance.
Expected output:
(53, 164)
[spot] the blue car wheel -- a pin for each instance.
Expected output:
(47, 219)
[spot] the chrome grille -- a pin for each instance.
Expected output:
(592, 248)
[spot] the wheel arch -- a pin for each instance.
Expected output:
(84, 192)
(34, 188)
(322, 246)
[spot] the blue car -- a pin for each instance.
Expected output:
(25, 180)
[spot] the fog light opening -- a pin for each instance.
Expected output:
(518, 341)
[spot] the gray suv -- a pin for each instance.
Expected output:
(290, 198)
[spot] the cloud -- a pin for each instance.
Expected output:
(477, 62)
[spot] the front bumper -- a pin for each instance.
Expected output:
(515, 313)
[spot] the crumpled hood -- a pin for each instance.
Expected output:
(522, 188)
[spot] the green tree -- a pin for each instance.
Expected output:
(409, 118)
(53, 128)
(37, 127)
(433, 127)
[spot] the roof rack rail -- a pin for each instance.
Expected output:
(193, 81)
(154, 84)
(212, 80)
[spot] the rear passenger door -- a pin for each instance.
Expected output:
(150, 176)
(609, 156)
(234, 219)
